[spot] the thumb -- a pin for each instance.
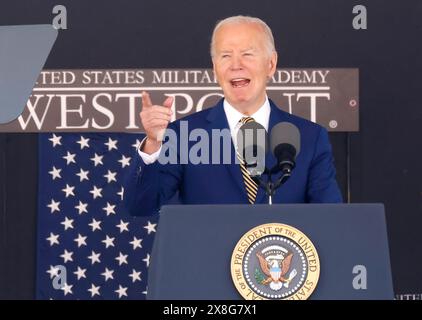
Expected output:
(168, 102)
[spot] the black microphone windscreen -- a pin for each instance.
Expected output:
(252, 133)
(285, 133)
(252, 145)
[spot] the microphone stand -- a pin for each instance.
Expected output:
(270, 187)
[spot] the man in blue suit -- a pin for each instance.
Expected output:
(244, 59)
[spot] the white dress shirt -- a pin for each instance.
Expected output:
(262, 116)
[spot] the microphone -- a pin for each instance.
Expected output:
(252, 145)
(285, 145)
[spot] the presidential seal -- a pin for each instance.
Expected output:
(275, 261)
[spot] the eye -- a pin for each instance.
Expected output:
(247, 54)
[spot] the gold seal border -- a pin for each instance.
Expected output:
(272, 229)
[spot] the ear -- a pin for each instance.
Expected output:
(214, 71)
(272, 64)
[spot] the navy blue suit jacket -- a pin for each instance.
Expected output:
(148, 187)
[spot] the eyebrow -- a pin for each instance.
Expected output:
(242, 51)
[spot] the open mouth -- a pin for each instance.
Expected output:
(239, 82)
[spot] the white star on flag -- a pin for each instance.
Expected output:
(83, 142)
(80, 273)
(94, 257)
(67, 256)
(136, 243)
(56, 140)
(137, 144)
(109, 209)
(111, 176)
(121, 291)
(80, 240)
(108, 242)
(125, 161)
(122, 258)
(53, 239)
(54, 206)
(83, 175)
(150, 227)
(97, 160)
(108, 274)
(67, 289)
(111, 144)
(70, 158)
(53, 272)
(120, 193)
(122, 226)
(96, 192)
(67, 223)
(68, 190)
(135, 275)
(81, 207)
(55, 173)
(146, 260)
(94, 290)
(95, 225)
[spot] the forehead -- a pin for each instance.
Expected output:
(239, 35)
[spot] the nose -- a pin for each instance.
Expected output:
(236, 62)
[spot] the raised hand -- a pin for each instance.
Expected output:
(154, 119)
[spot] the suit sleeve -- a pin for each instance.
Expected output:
(148, 187)
(322, 185)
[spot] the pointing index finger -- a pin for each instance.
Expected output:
(146, 100)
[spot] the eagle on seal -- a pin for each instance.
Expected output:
(274, 272)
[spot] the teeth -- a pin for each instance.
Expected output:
(240, 82)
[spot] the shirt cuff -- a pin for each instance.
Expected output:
(148, 158)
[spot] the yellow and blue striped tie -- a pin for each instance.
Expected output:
(250, 185)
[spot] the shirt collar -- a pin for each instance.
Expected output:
(262, 115)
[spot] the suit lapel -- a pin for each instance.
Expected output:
(217, 120)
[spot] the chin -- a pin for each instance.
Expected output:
(241, 97)
(239, 101)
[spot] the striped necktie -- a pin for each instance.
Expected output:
(250, 185)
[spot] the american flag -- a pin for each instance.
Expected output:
(89, 247)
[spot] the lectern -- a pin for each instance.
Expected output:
(194, 251)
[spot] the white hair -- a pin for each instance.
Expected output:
(269, 39)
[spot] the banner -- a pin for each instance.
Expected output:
(110, 100)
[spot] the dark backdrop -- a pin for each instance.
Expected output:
(385, 156)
